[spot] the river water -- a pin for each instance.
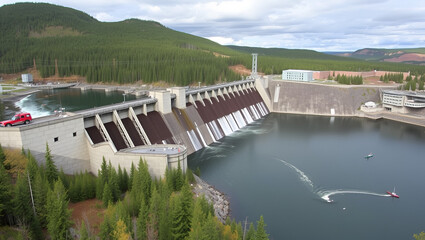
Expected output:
(308, 177)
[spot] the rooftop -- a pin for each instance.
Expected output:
(405, 93)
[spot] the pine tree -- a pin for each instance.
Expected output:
(179, 178)
(58, 214)
(120, 178)
(182, 214)
(142, 221)
(198, 219)
(125, 181)
(261, 232)
(106, 228)
(145, 180)
(51, 170)
(152, 228)
(84, 234)
(114, 183)
(5, 192)
(32, 166)
(130, 179)
(2, 156)
(209, 229)
(40, 190)
(23, 207)
(107, 195)
(120, 231)
(250, 235)
(22, 200)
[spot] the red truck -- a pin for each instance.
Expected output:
(20, 118)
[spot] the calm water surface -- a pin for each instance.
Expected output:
(46, 102)
(286, 167)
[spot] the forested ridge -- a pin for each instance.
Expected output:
(122, 52)
(63, 41)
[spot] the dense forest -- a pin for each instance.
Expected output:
(35, 197)
(60, 41)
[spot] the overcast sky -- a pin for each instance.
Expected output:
(322, 25)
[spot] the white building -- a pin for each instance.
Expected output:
(27, 78)
(402, 101)
(297, 75)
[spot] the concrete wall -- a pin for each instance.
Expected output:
(69, 152)
(317, 99)
(10, 137)
(326, 74)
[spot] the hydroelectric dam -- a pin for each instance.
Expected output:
(162, 129)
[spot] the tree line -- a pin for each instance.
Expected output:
(349, 80)
(414, 83)
(34, 197)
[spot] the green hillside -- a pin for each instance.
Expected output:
(122, 52)
(134, 50)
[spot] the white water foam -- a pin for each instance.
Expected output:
(325, 194)
(26, 105)
(303, 177)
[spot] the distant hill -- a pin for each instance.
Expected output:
(274, 60)
(62, 42)
(408, 55)
(288, 53)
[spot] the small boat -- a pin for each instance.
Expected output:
(393, 194)
(369, 156)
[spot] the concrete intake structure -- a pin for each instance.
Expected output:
(162, 129)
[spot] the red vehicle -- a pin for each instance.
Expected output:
(20, 118)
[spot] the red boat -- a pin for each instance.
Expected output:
(393, 194)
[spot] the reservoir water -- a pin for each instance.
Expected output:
(45, 102)
(308, 177)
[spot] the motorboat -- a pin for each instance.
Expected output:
(369, 156)
(393, 194)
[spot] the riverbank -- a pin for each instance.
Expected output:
(217, 198)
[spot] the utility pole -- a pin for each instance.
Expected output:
(244, 229)
(32, 198)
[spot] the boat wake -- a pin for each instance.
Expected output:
(326, 194)
(303, 177)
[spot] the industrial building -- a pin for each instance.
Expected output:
(297, 75)
(402, 101)
(27, 78)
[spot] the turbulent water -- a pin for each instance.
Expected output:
(309, 178)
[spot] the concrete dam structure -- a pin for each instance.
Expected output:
(162, 129)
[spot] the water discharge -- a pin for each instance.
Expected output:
(325, 194)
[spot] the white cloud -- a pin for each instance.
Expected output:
(104, 17)
(223, 40)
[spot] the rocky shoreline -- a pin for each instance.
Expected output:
(217, 198)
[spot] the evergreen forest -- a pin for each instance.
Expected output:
(34, 201)
(60, 41)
